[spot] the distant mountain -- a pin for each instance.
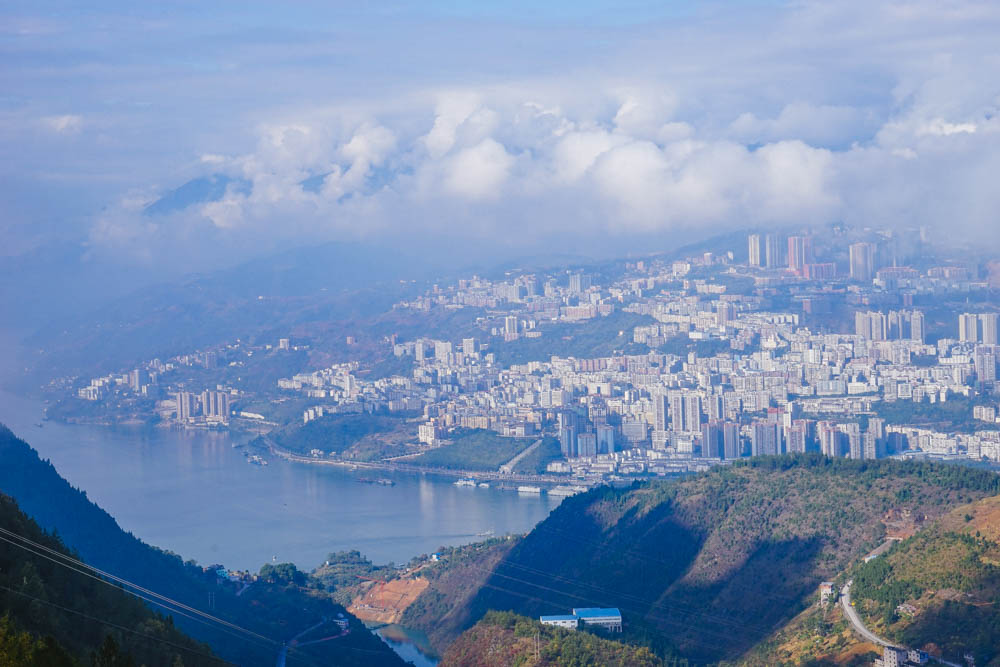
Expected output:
(197, 191)
(709, 566)
(277, 611)
(331, 282)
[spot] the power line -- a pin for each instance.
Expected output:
(137, 595)
(121, 580)
(116, 626)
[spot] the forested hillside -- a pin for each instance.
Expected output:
(275, 611)
(54, 614)
(708, 566)
(503, 638)
(940, 589)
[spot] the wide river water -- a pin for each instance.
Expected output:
(193, 493)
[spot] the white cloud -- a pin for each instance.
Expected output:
(64, 124)
(942, 128)
(869, 112)
(478, 172)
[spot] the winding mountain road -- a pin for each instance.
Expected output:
(852, 615)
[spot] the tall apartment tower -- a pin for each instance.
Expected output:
(772, 251)
(968, 328)
(185, 405)
(731, 446)
(986, 364)
(579, 283)
(862, 261)
(712, 443)
(567, 434)
(988, 327)
(660, 413)
(765, 439)
(917, 326)
(755, 254)
(799, 252)
(468, 346)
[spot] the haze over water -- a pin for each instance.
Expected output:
(191, 492)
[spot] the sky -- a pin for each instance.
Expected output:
(490, 127)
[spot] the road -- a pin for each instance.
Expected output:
(852, 615)
(508, 467)
(283, 653)
(401, 467)
(859, 627)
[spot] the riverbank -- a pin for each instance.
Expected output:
(483, 475)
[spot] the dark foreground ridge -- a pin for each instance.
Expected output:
(275, 610)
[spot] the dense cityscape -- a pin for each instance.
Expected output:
(745, 376)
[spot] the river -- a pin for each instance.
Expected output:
(192, 492)
(195, 494)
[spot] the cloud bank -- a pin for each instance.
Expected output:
(879, 113)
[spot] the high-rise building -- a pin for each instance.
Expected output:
(829, 438)
(772, 251)
(873, 441)
(215, 405)
(712, 443)
(862, 325)
(510, 324)
(797, 435)
(917, 326)
(986, 364)
(732, 448)
(852, 431)
(872, 325)
(878, 325)
(660, 412)
(442, 348)
(968, 328)
(579, 283)
(862, 261)
(799, 252)
(586, 444)
(685, 412)
(185, 405)
(567, 434)
(755, 250)
(605, 439)
(988, 328)
(765, 439)
(137, 378)
(468, 346)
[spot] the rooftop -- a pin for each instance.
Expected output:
(595, 612)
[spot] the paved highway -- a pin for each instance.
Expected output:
(852, 616)
(859, 627)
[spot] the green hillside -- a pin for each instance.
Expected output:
(51, 614)
(474, 449)
(503, 638)
(710, 565)
(276, 611)
(940, 589)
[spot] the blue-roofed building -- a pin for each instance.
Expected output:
(561, 621)
(608, 618)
